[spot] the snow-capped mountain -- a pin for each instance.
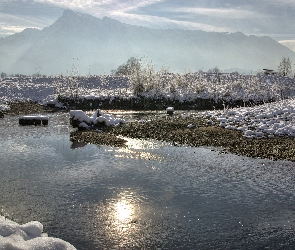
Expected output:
(82, 44)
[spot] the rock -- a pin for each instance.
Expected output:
(170, 110)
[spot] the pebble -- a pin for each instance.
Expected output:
(174, 129)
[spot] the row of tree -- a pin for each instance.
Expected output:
(135, 65)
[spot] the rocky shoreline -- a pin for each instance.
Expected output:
(175, 130)
(99, 138)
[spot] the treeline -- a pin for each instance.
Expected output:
(4, 75)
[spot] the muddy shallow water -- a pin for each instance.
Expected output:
(148, 195)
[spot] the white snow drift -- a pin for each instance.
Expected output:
(28, 236)
(268, 120)
(98, 117)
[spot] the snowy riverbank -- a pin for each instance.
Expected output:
(178, 87)
(270, 122)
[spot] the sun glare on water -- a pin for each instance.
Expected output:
(123, 210)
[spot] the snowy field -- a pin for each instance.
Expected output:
(43, 90)
(182, 87)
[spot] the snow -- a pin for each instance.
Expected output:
(28, 236)
(33, 117)
(267, 120)
(179, 87)
(98, 117)
(81, 116)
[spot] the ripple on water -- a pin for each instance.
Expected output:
(148, 195)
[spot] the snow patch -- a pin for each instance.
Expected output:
(99, 117)
(267, 120)
(28, 236)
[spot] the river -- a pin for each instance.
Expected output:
(149, 195)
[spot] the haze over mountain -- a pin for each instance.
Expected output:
(83, 44)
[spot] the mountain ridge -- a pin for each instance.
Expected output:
(97, 46)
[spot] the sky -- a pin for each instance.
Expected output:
(274, 18)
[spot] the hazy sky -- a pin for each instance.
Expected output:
(275, 18)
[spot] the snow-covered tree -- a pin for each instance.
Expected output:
(130, 67)
(285, 67)
(215, 70)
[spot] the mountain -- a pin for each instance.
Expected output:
(80, 43)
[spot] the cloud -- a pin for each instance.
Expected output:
(22, 21)
(227, 13)
(10, 30)
(281, 3)
(109, 5)
(72, 3)
(164, 22)
(289, 44)
(101, 8)
(11, 23)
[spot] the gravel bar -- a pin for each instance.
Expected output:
(175, 130)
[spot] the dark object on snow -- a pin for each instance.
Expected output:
(170, 110)
(269, 72)
(33, 120)
(1, 114)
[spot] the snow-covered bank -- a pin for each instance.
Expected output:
(28, 236)
(185, 87)
(47, 90)
(268, 120)
(265, 120)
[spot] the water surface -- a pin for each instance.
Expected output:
(148, 195)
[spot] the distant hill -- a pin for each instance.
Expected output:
(80, 43)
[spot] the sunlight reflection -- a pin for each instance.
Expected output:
(21, 148)
(139, 149)
(123, 210)
(129, 154)
(143, 144)
(119, 218)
